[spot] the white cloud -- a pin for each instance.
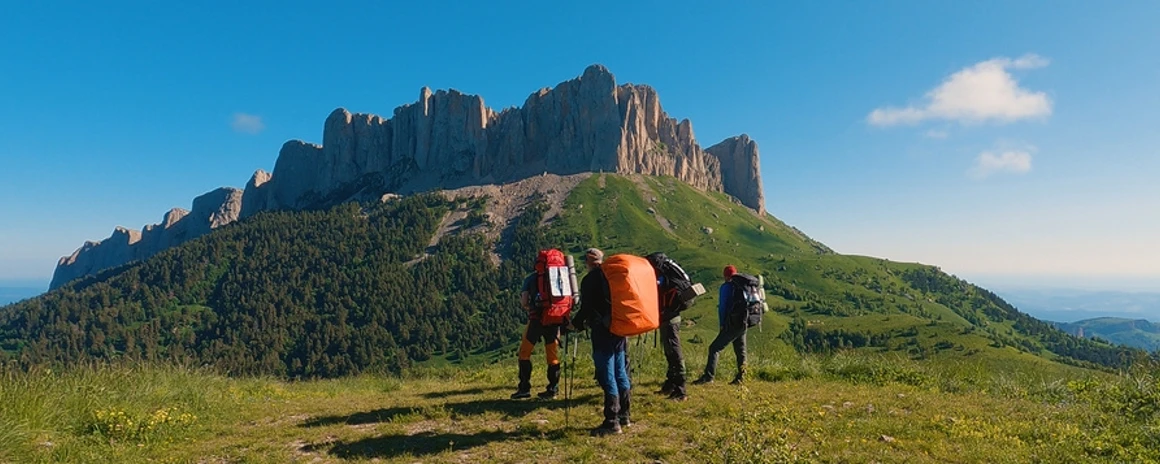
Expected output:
(983, 92)
(937, 134)
(247, 123)
(1029, 61)
(1009, 161)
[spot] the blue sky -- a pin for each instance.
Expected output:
(1003, 141)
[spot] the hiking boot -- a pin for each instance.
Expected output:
(524, 389)
(736, 381)
(607, 428)
(667, 389)
(678, 396)
(622, 416)
(553, 382)
(547, 394)
(703, 380)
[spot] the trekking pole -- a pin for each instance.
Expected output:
(570, 366)
(570, 379)
(567, 385)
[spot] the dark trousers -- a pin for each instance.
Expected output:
(728, 334)
(671, 339)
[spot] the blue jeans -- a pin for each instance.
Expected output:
(611, 371)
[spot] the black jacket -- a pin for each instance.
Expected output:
(596, 312)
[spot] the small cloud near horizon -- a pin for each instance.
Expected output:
(983, 92)
(247, 123)
(1001, 162)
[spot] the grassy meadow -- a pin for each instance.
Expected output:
(845, 407)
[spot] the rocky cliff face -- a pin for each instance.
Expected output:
(211, 210)
(740, 171)
(448, 139)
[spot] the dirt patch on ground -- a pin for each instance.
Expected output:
(507, 201)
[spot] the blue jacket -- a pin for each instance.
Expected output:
(724, 302)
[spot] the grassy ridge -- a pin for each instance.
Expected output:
(931, 314)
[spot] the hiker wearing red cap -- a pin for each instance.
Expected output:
(730, 332)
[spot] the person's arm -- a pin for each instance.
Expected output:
(580, 319)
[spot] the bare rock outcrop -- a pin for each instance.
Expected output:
(448, 139)
(740, 170)
(210, 211)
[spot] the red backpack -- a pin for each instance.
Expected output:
(554, 285)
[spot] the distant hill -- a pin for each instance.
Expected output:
(1070, 305)
(1137, 333)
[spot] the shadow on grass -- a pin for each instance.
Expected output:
(421, 444)
(509, 408)
(464, 392)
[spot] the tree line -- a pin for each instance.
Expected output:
(300, 294)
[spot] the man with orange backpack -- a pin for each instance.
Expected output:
(608, 349)
(547, 298)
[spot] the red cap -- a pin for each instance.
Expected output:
(729, 271)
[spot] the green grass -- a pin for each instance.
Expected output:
(847, 407)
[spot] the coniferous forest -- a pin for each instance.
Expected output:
(296, 294)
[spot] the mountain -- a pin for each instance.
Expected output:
(448, 139)
(430, 278)
(1137, 333)
(404, 240)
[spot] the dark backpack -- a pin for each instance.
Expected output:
(746, 300)
(673, 287)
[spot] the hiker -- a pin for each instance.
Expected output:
(673, 285)
(735, 317)
(540, 303)
(608, 349)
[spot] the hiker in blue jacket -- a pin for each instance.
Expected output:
(731, 332)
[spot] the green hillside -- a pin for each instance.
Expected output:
(295, 294)
(355, 288)
(1137, 333)
(821, 301)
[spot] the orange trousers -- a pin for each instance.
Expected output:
(535, 332)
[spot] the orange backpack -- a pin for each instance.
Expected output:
(632, 284)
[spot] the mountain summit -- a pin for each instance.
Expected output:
(450, 139)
